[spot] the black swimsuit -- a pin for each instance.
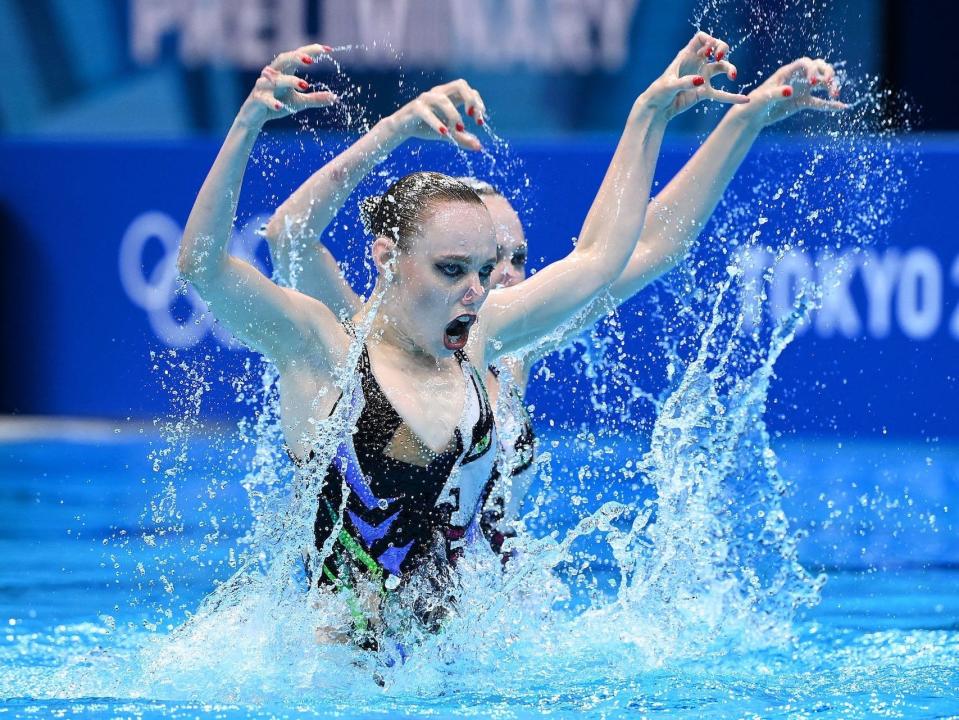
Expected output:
(400, 517)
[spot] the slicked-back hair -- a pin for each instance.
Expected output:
(401, 211)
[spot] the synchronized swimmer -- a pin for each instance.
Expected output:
(457, 313)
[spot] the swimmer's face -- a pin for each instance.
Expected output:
(510, 242)
(441, 281)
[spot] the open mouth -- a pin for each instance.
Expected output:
(458, 331)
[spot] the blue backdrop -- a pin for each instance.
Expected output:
(92, 228)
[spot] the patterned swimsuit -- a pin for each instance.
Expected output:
(514, 461)
(402, 520)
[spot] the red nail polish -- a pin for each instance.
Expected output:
(813, 81)
(787, 92)
(732, 75)
(327, 48)
(277, 105)
(709, 51)
(460, 127)
(721, 55)
(470, 110)
(443, 130)
(698, 80)
(303, 85)
(479, 121)
(306, 60)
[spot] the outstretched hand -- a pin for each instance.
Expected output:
(278, 92)
(791, 89)
(434, 114)
(688, 79)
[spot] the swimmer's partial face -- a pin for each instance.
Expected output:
(510, 242)
(443, 279)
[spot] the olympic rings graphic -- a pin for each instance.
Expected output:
(157, 290)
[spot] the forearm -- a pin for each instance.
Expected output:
(618, 213)
(203, 249)
(680, 211)
(303, 217)
(527, 313)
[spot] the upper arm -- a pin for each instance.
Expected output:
(519, 315)
(581, 304)
(656, 252)
(280, 323)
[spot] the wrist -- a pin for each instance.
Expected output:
(247, 125)
(748, 118)
(646, 112)
(388, 134)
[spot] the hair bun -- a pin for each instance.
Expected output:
(399, 213)
(369, 207)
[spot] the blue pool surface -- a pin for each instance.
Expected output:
(883, 641)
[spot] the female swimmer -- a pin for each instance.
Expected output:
(674, 219)
(420, 457)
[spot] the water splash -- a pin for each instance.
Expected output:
(698, 561)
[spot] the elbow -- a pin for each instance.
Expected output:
(279, 236)
(270, 231)
(608, 268)
(594, 269)
(192, 268)
(187, 265)
(184, 265)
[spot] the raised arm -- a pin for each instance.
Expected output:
(679, 213)
(518, 316)
(295, 230)
(270, 319)
(677, 216)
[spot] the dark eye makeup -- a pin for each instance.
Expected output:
(452, 270)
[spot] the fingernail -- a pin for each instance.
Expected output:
(732, 75)
(443, 130)
(699, 80)
(460, 127)
(303, 85)
(813, 81)
(307, 60)
(327, 48)
(277, 105)
(479, 121)
(787, 92)
(470, 110)
(721, 55)
(709, 51)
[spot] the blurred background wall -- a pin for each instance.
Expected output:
(175, 68)
(112, 111)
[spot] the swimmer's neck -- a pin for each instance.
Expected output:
(388, 337)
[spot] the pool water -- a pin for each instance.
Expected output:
(76, 599)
